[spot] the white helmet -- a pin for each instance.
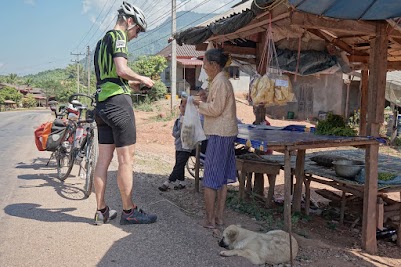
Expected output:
(134, 12)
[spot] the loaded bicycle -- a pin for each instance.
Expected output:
(79, 145)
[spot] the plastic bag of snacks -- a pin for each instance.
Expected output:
(191, 131)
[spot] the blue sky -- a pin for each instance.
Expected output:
(40, 35)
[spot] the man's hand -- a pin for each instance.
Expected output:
(147, 81)
(134, 85)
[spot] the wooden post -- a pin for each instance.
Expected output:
(197, 163)
(369, 200)
(270, 194)
(259, 184)
(342, 209)
(299, 175)
(376, 97)
(364, 102)
(380, 213)
(399, 228)
(287, 191)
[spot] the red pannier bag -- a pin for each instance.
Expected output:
(42, 134)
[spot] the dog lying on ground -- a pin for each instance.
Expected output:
(260, 248)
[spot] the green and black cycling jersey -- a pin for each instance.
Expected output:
(114, 44)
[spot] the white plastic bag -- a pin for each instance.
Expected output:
(191, 131)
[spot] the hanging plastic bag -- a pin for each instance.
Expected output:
(191, 130)
(274, 87)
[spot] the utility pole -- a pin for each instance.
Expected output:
(88, 60)
(173, 71)
(77, 61)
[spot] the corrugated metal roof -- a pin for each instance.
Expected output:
(351, 9)
(184, 51)
(190, 62)
(229, 13)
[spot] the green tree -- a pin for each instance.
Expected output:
(50, 87)
(12, 78)
(159, 90)
(150, 66)
(64, 93)
(9, 93)
(28, 81)
(29, 102)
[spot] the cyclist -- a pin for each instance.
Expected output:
(115, 116)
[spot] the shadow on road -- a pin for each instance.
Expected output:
(34, 212)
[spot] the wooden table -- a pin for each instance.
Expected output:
(288, 141)
(247, 167)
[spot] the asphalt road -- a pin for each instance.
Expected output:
(44, 222)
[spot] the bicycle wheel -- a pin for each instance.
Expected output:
(90, 163)
(191, 167)
(64, 156)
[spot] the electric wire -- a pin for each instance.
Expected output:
(183, 26)
(93, 24)
(200, 4)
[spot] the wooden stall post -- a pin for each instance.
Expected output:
(376, 96)
(287, 191)
(299, 175)
(364, 102)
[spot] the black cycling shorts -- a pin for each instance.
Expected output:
(116, 121)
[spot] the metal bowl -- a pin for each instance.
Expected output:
(348, 168)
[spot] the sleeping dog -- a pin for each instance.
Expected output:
(260, 248)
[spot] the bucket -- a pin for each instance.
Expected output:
(290, 115)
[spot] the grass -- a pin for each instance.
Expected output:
(269, 218)
(146, 105)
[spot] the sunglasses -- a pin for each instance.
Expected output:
(138, 30)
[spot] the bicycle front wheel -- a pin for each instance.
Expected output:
(191, 167)
(90, 163)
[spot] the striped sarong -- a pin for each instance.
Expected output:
(220, 166)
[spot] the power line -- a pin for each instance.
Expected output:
(93, 24)
(165, 15)
(163, 37)
(88, 43)
(147, 36)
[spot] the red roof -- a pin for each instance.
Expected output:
(189, 62)
(184, 51)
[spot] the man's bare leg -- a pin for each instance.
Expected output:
(125, 178)
(100, 178)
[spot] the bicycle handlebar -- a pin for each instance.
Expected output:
(75, 96)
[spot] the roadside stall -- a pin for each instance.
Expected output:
(363, 35)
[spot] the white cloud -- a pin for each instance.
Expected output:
(156, 12)
(30, 2)
(1, 64)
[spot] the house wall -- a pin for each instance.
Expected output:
(323, 93)
(241, 84)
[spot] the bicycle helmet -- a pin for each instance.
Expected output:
(134, 12)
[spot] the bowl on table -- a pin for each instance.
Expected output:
(348, 168)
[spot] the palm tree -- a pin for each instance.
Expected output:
(12, 78)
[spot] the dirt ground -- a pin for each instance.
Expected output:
(323, 242)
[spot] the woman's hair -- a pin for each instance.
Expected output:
(218, 56)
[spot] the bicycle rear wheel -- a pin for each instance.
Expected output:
(191, 167)
(65, 160)
(90, 163)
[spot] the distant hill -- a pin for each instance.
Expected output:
(155, 40)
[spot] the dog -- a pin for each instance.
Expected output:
(272, 247)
